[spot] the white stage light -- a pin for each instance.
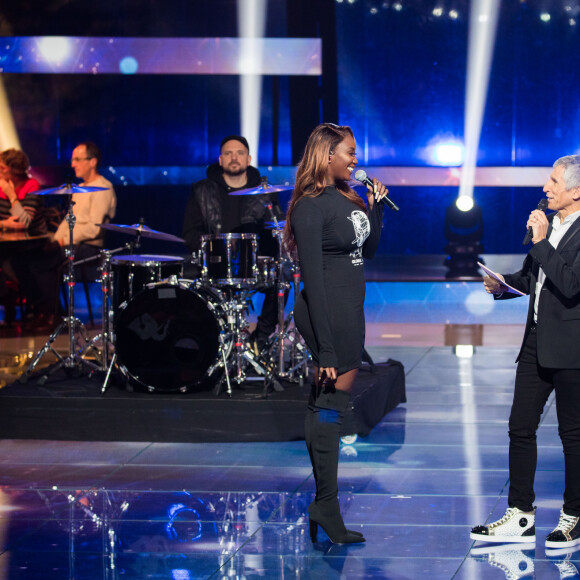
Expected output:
(55, 49)
(464, 202)
(448, 154)
(464, 351)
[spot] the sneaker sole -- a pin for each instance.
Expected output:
(504, 539)
(569, 544)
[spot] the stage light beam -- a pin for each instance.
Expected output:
(251, 25)
(8, 134)
(482, 30)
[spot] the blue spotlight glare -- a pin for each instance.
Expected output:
(129, 65)
(449, 154)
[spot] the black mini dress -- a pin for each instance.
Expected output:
(333, 235)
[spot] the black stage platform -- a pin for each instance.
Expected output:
(74, 409)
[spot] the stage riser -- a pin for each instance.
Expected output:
(73, 409)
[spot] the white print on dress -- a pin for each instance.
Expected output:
(362, 230)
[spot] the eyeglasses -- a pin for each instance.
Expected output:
(77, 159)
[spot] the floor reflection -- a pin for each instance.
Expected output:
(428, 472)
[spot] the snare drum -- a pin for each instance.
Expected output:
(229, 259)
(131, 273)
(167, 337)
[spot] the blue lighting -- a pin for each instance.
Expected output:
(448, 154)
(129, 65)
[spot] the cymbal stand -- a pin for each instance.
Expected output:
(106, 335)
(73, 361)
(108, 314)
(287, 346)
(297, 357)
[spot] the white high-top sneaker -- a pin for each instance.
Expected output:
(514, 526)
(566, 533)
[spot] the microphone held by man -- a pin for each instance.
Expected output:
(542, 205)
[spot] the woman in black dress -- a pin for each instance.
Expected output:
(332, 230)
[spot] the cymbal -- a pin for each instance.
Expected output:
(68, 189)
(272, 225)
(261, 189)
(143, 230)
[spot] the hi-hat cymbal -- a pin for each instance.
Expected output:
(261, 189)
(273, 226)
(68, 189)
(141, 229)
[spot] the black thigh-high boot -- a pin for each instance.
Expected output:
(322, 433)
(311, 417)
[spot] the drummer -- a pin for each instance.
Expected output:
(211, 210)
(19, 213)
(89, 209)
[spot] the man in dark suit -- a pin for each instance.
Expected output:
(549, 360)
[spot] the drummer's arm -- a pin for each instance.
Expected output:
(102, 209)
(100, 203)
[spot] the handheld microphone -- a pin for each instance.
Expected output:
(542, 205)
(361, 175)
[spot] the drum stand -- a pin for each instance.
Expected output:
(73, 362)
(105, 338)
(107, 289)
(242, 352)
(287, 346)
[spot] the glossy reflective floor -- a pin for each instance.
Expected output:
(433, 468)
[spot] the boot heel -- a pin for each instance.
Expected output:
(313, 530)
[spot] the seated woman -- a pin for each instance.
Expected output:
(20, 213)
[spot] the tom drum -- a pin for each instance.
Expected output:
(132, 273)
(229, 259)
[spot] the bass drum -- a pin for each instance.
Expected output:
(167, 337)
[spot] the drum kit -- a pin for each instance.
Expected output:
(170, 334)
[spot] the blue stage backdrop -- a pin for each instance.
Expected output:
(395, 71)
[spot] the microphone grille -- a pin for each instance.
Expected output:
(360, 175)
(543, 204)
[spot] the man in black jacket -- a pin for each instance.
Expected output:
(212, 210)
(549, 360)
